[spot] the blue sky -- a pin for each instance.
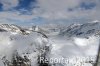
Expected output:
(28, 12)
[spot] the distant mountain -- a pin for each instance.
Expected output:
(81, 30)
(10, 27)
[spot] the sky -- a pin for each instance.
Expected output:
(30, 12)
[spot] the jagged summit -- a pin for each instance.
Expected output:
(15, 29)
(10, 27)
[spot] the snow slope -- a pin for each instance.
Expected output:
(81, 30)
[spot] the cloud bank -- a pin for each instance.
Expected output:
(50, 11)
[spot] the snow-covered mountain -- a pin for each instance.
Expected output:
(8, 27)
(18, 47)
(27, 45)
(82, 30)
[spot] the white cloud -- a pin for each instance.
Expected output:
(86, 42)
(51, 10)
(14, 16)
(57, 5)
(58, 9)
(7, 4)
